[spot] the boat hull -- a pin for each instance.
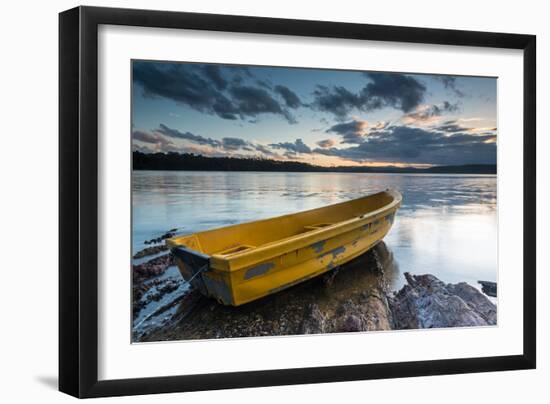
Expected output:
(243, 276)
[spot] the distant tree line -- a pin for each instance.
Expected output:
(195, 162)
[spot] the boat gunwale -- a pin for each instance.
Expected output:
(298, 241)
(242, 259)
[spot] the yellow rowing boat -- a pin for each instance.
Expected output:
(244, 262)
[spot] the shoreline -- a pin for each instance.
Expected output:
(351, 298)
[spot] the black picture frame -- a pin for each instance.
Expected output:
(78, 200)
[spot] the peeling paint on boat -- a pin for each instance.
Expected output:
(318, 246)
(258, 270)
(335, 252)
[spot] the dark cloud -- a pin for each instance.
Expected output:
(151, 138)
(291, 99)
(264, 150)
(174, 133)
(244, 70)
(451, 127)
(394, 90)
(327, 143)
(414, 145)
(144, 137)
(449, 82)
(297, 147)
(228, 144)
(337, 100)
(214, 73)
(351, 132)
(154, 142)
(264, 84)
(252, 101)
(455, 126)
(234, 143)
(183, 84)
(204, 88)
(448, 107)
(426, 112)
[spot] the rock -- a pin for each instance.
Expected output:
(427, 302)
(169, 234)
(354, 298)
(489, 288)
(476, 300)
(378, 313)
(368, 312)
(314, 321)
(151, 268)
(352, 323)
(151, 251)
(350, 299)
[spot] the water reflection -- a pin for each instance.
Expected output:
(377, 268)
(446, 226)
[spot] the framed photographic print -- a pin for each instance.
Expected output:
(251, 201)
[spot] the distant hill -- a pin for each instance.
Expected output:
(195, 162)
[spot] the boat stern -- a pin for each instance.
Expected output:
(195, 267)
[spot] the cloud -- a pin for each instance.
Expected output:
(174, 133)
(351, 132)
(297, 147)
(205, 88)
(380, 125)
(234, 143)
(154, 142)
(336, 100)
(252, 101)
(451, 127)
(430, 113)
(213, 72)
(454, 126)
(291, 99)
(150, 138)
(449, 82)
(264, 84)
(214, 146)
(227, 143)
(184, 84)
(393, 90)
(264, 150)
(145, 137)
(327, 143)
(416, 145)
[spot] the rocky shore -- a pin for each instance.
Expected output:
(355, 297)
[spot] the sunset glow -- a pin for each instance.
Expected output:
(321, 117)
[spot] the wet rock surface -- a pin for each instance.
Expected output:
(344, 300)
(427, 302)
(156, 249)
(147, 283)
(169, 234)
(489, 288)
(151, 268)
(353, 298)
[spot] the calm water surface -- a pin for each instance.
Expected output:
(447, 225)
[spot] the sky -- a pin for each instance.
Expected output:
(318, 116)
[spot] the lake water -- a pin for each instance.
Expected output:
(447, 225)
